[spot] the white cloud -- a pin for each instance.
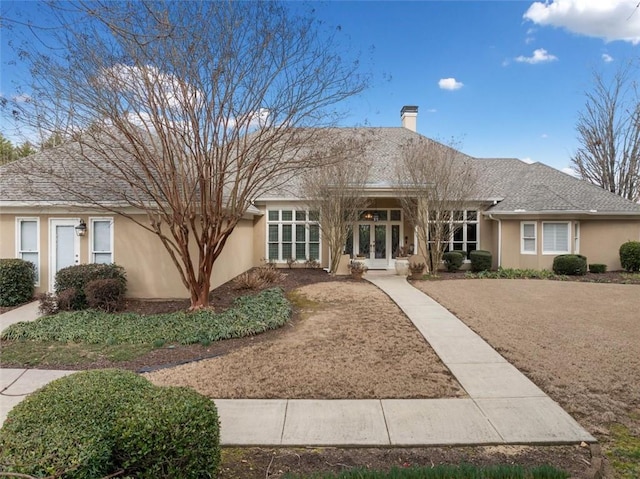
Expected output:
(450, 84)
(539, 56)
(607, 58)
(544, 135)
(528, 160)
(570, 171)
(608, 19)
(529, 40)
(431, 110)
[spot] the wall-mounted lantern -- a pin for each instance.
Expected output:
(81, 229)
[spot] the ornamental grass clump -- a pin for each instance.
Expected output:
(110, 422)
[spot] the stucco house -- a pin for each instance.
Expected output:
(525, 215)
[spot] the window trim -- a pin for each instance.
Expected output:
(91, 251)
(569, 238)
(576, 237)
(462, 224)
(535, 237)
(307, 223)
(19, 220)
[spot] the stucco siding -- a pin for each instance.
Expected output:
(600, 240)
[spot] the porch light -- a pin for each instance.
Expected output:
(81, 229)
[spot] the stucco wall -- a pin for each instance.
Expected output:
(150, 270)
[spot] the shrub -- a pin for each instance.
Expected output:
(16, 281)
(597, 268)
(570, 264)
(480, 260)
(453, 260)
(105, 294)
(630, 256)
(48, 304)
(80, 275)
(312, 263)
(67, 298)
(103, 421)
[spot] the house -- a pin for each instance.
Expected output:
(525, 214)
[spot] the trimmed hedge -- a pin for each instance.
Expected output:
(453, 260)
(95, 423)
(105, 294)
(597, 268)
(570, 264)
(630, 256)
(481, 260)
(78, 276)
(17, 278)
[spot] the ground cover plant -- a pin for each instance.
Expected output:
(110, 422)
(580, 342)
(463, 471)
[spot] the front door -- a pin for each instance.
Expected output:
(372, 244)
(65, 247)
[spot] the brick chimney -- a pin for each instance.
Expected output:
(409, 115)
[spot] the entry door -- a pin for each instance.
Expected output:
(64, 247)
(372, 244)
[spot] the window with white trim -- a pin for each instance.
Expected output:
(555, 238)
(101, 244)
(461, 233)
(528, 235)
(27, 242)
(576, 237)
(292, 234)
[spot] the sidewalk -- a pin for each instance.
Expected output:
(26, 312)
(504, 407)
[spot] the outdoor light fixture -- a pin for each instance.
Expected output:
(81, 229)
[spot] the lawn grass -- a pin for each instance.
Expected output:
(464, 471)
(624, 453)
(249, 315)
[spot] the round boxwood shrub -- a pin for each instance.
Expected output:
(95, 423)
(570, 264)
(630, 256)
(78, 276)
(453, 260)
(16, 281)
(480, 260)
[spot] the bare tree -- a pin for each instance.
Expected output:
(336, 191)
(185, 111)
(609, 135)
(435, 181)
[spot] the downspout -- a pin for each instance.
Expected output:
(499, 239)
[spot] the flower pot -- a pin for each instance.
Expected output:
(402, 266)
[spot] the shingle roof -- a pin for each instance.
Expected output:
(519, 186)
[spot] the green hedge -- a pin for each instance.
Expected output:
(570, 264)
(78, 276)
(453, 260)
(597, 268)
(95, 423)
(481, 260)
(17, 278)
(254, 314)
(630, 256)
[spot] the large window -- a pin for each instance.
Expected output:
(555, 238)
(28, 233)
(461, 233)
(292, 234)
(101, 232)
(528, 235)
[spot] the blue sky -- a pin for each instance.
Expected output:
(506, 78)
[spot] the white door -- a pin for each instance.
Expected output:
(64, 247)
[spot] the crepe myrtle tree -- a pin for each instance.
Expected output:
(435, 180)
(609, 134)
(337, 191)
(185, 111)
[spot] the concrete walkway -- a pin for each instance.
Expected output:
(504, 407)
(26, 312)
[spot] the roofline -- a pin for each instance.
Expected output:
(561, 212)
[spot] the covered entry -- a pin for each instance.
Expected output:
(377, 237)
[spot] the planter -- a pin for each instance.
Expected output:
(402, 266)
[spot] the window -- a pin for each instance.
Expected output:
(576, 238)
(101, 241)
(293, 234)
(528, 233)
(555, 238)
(461, 233)
(27, 242)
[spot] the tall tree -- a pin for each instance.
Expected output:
(336, 191)
(436, 181)
(609, 135)
(7, 150)
(186, 111)
(25, 149)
